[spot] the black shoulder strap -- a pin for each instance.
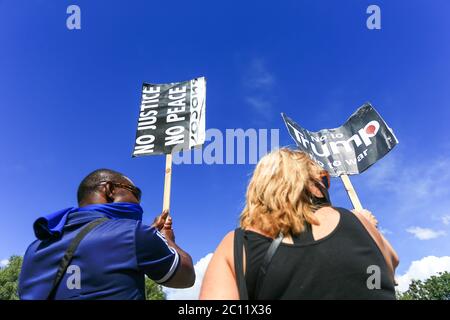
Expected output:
(238, 263)
(68, 255)
(266, 262)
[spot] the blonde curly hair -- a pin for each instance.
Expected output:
(278, 196)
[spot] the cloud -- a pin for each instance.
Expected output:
(425, 233)
(424, 181)
(193, 292)
(414, 192)
(446, 219)
(259, 104)
(258, 76)
(4, 263)
(258, 82)
(423, 269)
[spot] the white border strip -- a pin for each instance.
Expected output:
(174, 265)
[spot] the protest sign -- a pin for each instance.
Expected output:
(171, 119)
(172, 116)
(350, 149)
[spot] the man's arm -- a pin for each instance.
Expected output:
(184, 276)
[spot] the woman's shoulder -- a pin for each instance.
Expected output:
(328, 216)
(340, 210)
(227, 244)
(228, 238)
(225, 247)
(335, 213)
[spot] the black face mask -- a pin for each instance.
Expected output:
(320, 202)
(326, 196)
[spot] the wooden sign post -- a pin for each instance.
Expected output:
(167, 182)
(351, 192)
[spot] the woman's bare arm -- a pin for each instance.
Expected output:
(219, 282)
(369, 222)
(394, 256)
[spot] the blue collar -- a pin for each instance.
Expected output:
(52, 225)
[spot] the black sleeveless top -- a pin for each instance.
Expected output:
(337, 266)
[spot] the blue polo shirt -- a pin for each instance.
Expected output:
(110, 262)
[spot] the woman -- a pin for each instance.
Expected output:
(292, 244)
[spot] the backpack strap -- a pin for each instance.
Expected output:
(266, 262)
(68, 255)
(238, 263)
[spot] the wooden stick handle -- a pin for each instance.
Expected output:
(167, 182)
(351, 192)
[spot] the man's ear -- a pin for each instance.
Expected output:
(109, 191)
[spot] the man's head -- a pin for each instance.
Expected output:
(106, 186)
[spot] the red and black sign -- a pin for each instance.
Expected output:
(350, 149)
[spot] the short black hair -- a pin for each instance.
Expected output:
(88, 184)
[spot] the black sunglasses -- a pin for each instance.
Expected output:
(134, 190)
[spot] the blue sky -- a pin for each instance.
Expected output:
(69, 101)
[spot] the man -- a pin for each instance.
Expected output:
(102, 250)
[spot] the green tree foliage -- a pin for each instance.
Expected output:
(153, 291)
(9, 279)
(434, 288)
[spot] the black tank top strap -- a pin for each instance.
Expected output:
(239, 245)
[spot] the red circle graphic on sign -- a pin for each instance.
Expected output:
(370, 129)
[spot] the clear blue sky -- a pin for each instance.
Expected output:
(69, 103)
